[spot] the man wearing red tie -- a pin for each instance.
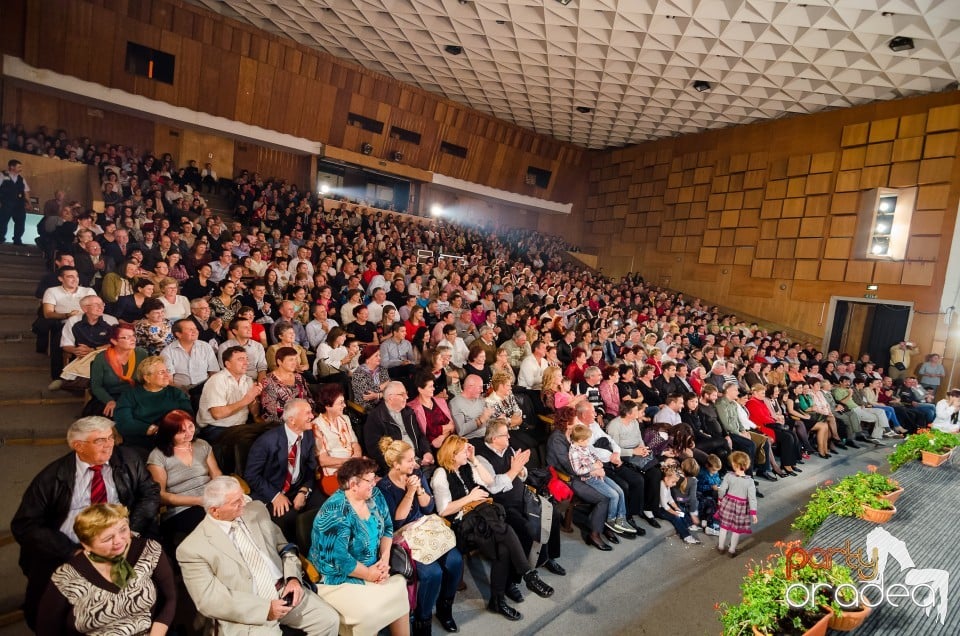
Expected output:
(282, 467)
(95, 472)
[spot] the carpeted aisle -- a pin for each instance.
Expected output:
(925, 531)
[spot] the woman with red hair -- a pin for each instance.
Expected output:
(181, 464)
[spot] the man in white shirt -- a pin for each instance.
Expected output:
(242, 332)
(60, 303)
(229, 397)
(319, 328)
(191, 361)
(377, 305)
(458, 348)
(669, 412)
(530, 376)
(396, 353)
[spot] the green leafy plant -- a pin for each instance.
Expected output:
(933, 441)
(846, 498)
(764, 606)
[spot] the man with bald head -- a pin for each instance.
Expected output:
(469, 410)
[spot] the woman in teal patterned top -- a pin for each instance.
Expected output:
(350, 547)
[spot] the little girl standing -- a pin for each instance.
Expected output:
(738, 502)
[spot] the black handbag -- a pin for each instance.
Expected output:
(532, 511)
(400, 560)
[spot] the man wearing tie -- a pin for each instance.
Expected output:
(95, 472)
(241, 572)
(282, 465)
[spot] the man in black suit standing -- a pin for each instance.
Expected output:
(282, 466)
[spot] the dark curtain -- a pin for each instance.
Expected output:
(889, 328)
(840, 314)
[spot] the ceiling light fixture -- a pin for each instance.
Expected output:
(901, 43)
(453, 49)
(701, 86)
(564, 2)
(366, 148)
(584, 109)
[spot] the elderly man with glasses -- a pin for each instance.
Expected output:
(391, 417)
(94, 472)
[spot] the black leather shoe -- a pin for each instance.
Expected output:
(554, 568)
(513, 592)
(768, 476)
(536, 585)
(790, 472)
(445, 615)
(759, 495)
(652, 521)
(611, 536)
(421, 628)
(633, 524)
(498, 605)
(852, 444)
(825, 455)
(597, 541)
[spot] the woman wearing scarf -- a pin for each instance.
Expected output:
(118, 584)
(112, 371)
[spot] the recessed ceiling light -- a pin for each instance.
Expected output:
(901, 43)
(701, 85)
(453, 49)
(584, 109)
(564, 2)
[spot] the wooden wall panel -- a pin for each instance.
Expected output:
(270, 162)
(781, 206)
(33, 109)
(232, 70)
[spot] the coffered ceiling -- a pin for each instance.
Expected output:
(633, 63)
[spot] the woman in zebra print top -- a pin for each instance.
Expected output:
(117, 584)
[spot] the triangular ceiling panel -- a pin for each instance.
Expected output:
(633, 61)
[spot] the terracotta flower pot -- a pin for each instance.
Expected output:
(849, 620)
(933, 459)
(893, 496)
(818, 629)
(876, 515)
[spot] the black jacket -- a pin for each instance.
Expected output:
(380, 424)
(46, 504)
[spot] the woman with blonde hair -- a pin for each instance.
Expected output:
(140, 409)
(460, 486)
(175, 306)
(116, 584)
(409, 498)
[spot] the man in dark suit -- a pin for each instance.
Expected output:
(95, 472)
(393, 418)
(282, 467)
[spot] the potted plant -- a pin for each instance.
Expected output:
(933, 447)
(764, 608)
(857, 495)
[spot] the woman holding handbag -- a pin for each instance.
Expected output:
(459, 487)
(412, 506)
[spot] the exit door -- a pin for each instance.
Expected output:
(860, 327)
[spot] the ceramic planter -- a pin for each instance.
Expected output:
(818, 629)
(893, 496)
(876, 515)
(934, 459)
(849, 620)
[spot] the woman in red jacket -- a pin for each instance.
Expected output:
(767, 423)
